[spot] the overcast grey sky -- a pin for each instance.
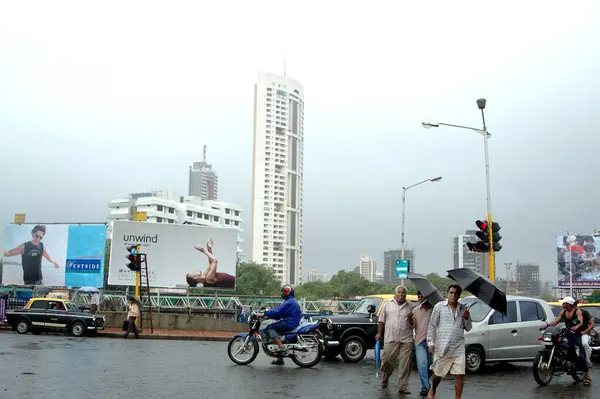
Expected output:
(99, 100)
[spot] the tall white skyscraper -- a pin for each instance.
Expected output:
(204, 180)
(367, 268)
(277, 174)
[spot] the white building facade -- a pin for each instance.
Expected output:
(315, 275)
(463, 257)
(164, 207)
(277, 176)
(368, 268)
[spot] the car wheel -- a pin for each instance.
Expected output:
(77, 329)
(22, 326)
(354, 349)
(475, 359)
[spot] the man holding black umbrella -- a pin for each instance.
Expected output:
(446, 340)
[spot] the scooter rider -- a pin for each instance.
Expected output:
(288, 315)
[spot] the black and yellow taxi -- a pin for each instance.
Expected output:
(53, 315)
(352, 335)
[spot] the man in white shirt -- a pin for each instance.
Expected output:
(95, 302)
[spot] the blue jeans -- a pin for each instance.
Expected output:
(423, 364)
(276, 329)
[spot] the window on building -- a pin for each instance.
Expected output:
(159, 220)
(226, 221)
(190, 213)
(159, 208)
(216, 218)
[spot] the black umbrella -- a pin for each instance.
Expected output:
(427, 289)
(481, 287)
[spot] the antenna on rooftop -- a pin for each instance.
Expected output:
(204, 152)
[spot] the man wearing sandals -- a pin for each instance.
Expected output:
(446, 341)
(394, 327)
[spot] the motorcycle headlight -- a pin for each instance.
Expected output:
(329, 325)
(547, 338)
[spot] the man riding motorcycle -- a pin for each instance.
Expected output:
(569, 314)
(288, 314)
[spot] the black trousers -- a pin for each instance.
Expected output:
(131, 327)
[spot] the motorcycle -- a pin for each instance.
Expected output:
(559, 356)
(304, 344)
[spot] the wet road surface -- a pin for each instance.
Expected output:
(64, 367)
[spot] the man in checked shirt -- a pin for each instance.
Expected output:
(397, 334)
(446, 340)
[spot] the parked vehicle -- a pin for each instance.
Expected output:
(558, 356)
(304, 345)
(504, 338)
(353, 334)
(51, 314)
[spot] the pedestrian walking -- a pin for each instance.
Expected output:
(397, 334)
(446, 341)
(133, 312)
(94, 302)
(419, 320)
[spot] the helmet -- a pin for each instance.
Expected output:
(287, 291)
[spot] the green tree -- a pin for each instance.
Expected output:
(315, 290)
(255, 279)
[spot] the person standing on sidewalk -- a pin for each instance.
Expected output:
(94, 302)
(397, 334)
(133, 312)
(419, 319)
(446, 340)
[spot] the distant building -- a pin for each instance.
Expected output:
(204, 181)
(463, 258)
(367, 268)
(527, 276)
(314, 275)
(379, 277)
(165, 207)
(389, 264)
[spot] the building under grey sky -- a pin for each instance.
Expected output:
(204, 180)
(88, 116)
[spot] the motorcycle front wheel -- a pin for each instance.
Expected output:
(311, 357)
(542, 373)
(240, 346)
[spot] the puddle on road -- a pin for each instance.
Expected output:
(28, 373)
(32, 346)
(6, 353)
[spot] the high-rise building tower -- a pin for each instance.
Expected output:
(367, 268)
(277, 172)
(204, 180)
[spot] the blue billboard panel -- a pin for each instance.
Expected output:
(54, 255)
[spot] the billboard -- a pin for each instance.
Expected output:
(69, 255)
(178, 255)
(581, 255)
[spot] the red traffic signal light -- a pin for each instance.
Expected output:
(482, 225)
(134, 258)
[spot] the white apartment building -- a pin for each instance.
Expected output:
(165, 207)
(277, 176)
(315, 275)
(367, 268)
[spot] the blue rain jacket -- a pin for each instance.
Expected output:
(288, 313)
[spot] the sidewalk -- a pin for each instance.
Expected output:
(189, 335)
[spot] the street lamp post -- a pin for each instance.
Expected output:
(404, 189)
(481, 103)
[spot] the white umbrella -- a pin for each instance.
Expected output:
(88, 289)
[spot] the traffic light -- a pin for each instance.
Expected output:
(135, 261)
(483, 245)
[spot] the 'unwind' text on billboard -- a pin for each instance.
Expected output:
(54, 255)
(581, 254)
(178, 255)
